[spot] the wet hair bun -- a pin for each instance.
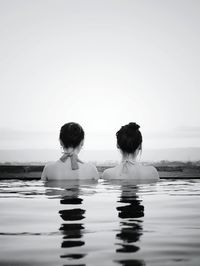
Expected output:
(133, 126)
(129, 138)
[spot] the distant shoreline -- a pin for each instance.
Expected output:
(168, 170)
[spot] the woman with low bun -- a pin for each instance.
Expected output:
(69, 166)
(129, 142)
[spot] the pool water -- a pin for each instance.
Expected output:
(99, 223)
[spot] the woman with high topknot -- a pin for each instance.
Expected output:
(69, 166)
(129, 142)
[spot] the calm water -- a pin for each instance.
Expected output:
(100, 223)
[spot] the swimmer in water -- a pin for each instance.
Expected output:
(69, 166)
(129, 142)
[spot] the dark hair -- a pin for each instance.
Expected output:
(129, 138)
(71, 134)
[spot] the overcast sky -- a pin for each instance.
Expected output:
(103, 64)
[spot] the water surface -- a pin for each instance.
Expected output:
(99, 223)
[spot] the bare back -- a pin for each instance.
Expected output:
(131, 171)
(61, 171)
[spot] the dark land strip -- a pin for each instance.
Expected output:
(30, 172)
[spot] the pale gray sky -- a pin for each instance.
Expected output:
(102, 64)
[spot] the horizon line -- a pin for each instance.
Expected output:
(35, 149)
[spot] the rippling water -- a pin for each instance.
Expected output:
(104, 223)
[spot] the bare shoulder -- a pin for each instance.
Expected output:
(50, 165)
(151, 171)
(47, 169)
(109, 173)
(91, 170)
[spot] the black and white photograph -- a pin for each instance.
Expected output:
(99, 132)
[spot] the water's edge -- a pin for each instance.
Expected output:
(28, 172)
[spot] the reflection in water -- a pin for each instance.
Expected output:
(73, 216)
(72, 213)
(72, 231)
(131, 262)
(131, 225)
